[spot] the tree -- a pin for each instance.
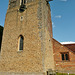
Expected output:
(1, 33)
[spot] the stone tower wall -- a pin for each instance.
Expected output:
(33, 25)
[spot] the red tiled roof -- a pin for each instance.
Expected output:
(70, 46)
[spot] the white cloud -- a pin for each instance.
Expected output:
(53, 25)
(58, 16)
(69, 42)
(64, 0)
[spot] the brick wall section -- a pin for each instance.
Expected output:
(37, 41)
(63, 66)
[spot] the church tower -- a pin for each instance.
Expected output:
(27, 38)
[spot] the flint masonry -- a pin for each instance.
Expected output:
(27, 47)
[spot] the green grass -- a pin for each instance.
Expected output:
(64, 74)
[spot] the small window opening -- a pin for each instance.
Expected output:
(22, 2)
(21, 43)
(65, 56)
(62, 56)
(21, 18)
(22, 5)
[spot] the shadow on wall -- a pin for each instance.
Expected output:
(1, 33)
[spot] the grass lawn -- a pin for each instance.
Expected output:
(64, 74)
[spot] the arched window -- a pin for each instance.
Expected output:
(21, 42)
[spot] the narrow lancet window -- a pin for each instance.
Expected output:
(21, 43)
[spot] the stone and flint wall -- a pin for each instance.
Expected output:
(34, 25)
